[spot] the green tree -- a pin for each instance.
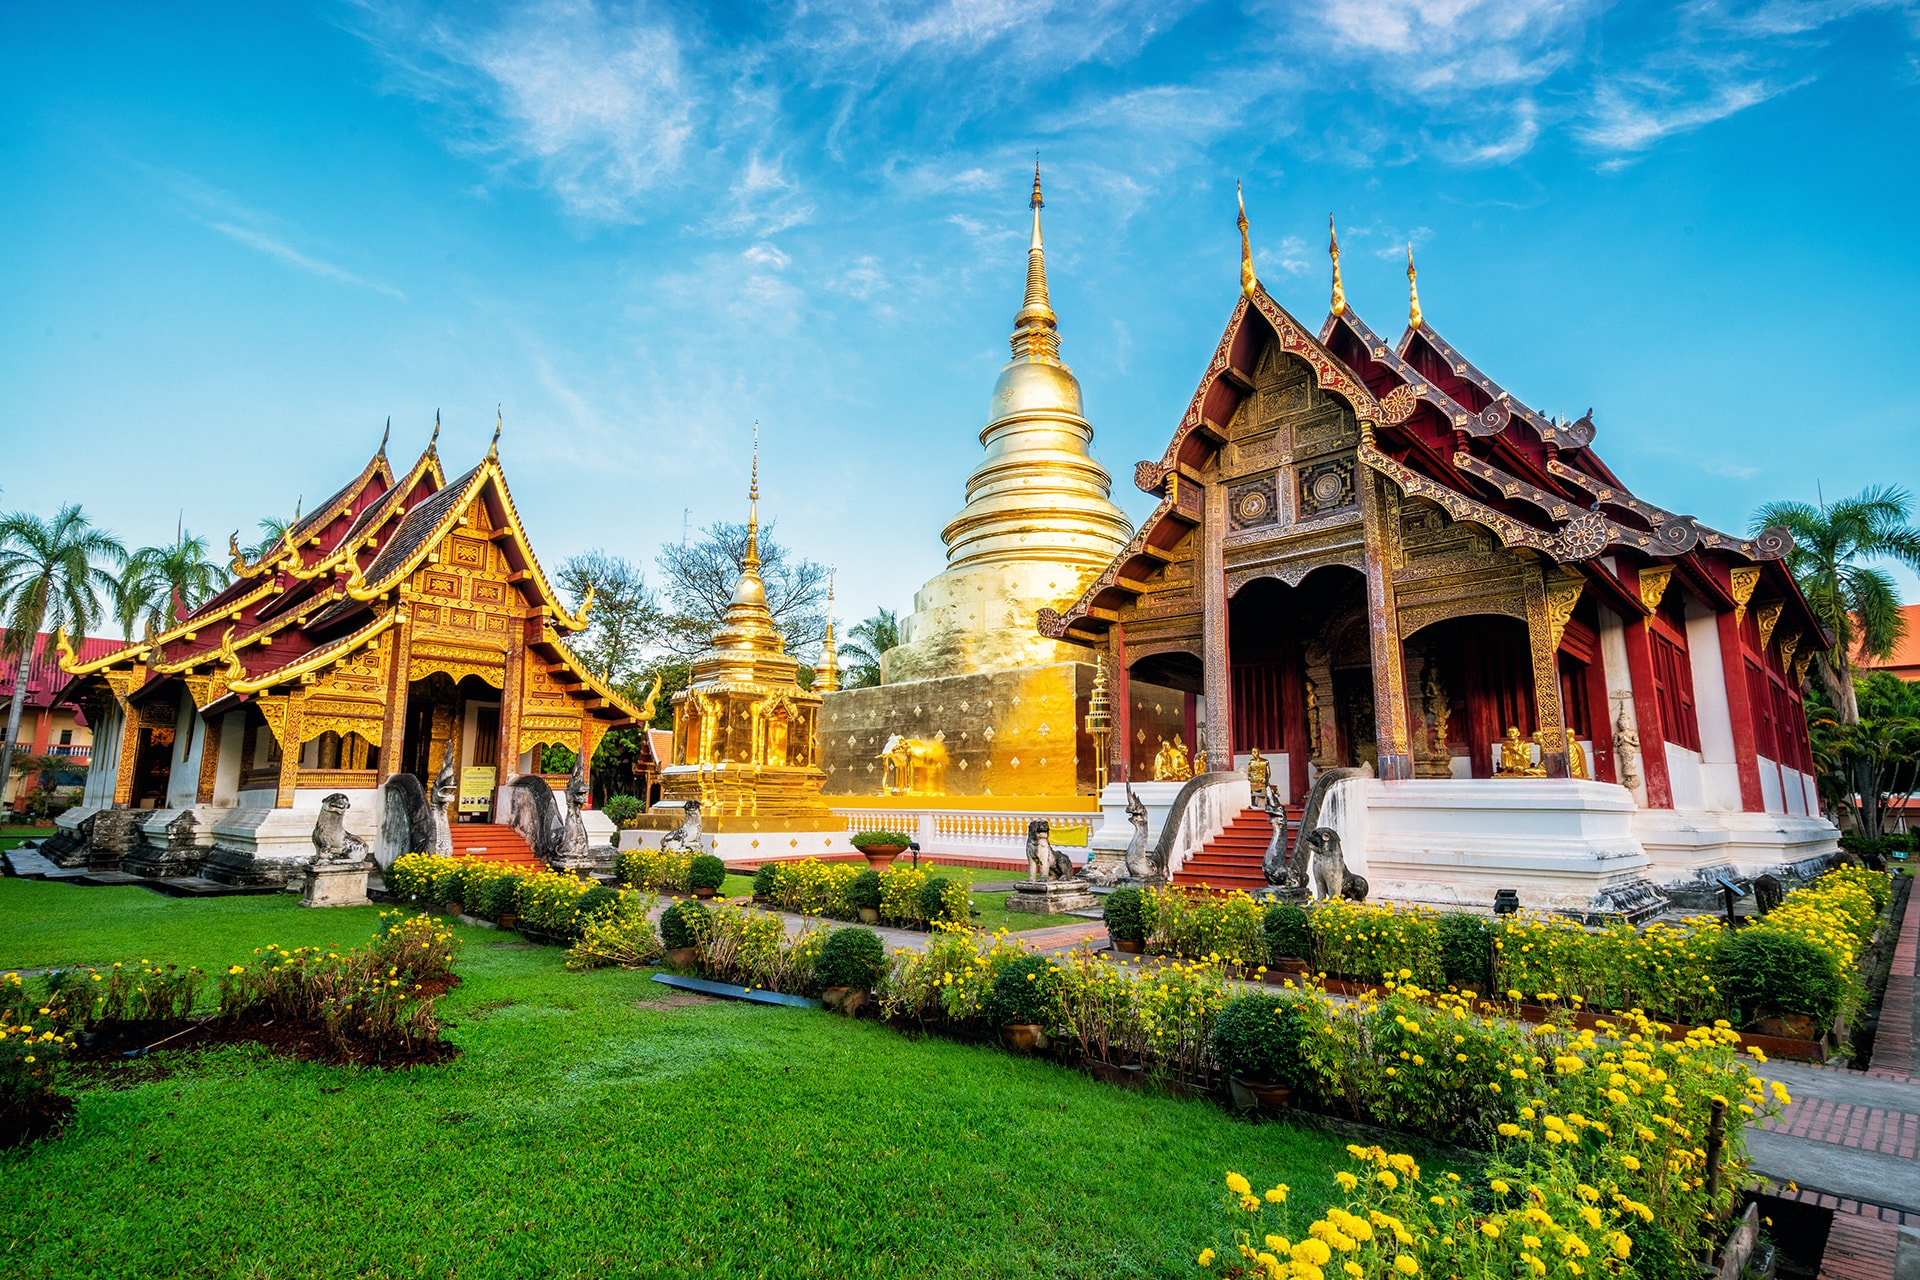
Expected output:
(1873, 764)
(625, 618)
(864, 644)
(162, 585)
(1833, 549)
(49, 579)
(272, 534)
(699, 578)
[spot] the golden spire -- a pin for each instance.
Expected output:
(385, 434)
(1035, 329)
(434, 439)
(1333, 251)
(1248, 281)
(493, 450)
(1414, 318)
(826, 675)
(752, 561)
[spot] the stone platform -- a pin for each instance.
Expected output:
(1052, 897)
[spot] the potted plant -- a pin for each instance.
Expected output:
(881, 847)
(683, 926)
(1257, 1042)
(1285, 928)
(851, 962)
(864, 895)
(1128, 913)
(705, 876)
(1785, 985)
(1022, 1001)
(763, 881)
(945, 901)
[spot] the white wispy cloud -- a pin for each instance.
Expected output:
(274, 248)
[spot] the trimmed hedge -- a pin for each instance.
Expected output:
(852, 957)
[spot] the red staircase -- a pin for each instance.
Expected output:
(1232, 859)
(492, 843)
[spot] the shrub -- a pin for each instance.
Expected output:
(946, 901)
(662, 871)
(1370, 942)
(1258, 1037)
(952, 979)
(627, 939)
(597, 903)
(1127, 912)
(752, 948)
(706, 872)
(549, 903)
(622, 810)
(900, 894)
(864, 892)
(1767, 971)
(813, 887)
(1025, 992)
(1466, 950)
(880, 839)
(1226, 925)
(685, 924)
(411, 876)
(852, 957)
(499, 897)
(1285, 927)
(765, 878)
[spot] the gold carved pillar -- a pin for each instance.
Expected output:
(393, 728)
(290, 741)
(209, 760)
(1543, 640)
(124, 763)
(513, 686)
(1379, 511)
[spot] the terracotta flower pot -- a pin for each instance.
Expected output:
(1288, 967)
(703, 892)
(1024, 1037)
(1787, 1026)
(869, 915)
(681, 957)
(882, 855)
(509, 922)
(1130, 946)
(1253, 1095)
(847, 1000)
(1130, 1075)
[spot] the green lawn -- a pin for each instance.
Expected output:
(598, 1124)
(14, 837)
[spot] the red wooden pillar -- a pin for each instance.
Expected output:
(1646, 714)
(1600, 712)
(1746, 746)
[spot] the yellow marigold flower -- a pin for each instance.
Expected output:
(1490, 1229)
(1346, 1180)
(1279, 1244)
(1499, 1186)
(1238, 1185)
(1311, 1251)
(1405, 1265)
(1206, 1258)
(1278, 1195)
(1386, 1179)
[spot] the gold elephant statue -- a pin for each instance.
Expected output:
(913, 767)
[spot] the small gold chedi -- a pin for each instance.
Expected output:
(743, 730)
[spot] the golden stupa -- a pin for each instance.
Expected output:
(744, 732)
(1038, 522)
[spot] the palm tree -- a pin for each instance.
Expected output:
(272, 532)
(864, 644)
(164, 584)
(1855, 600)
(48, 579)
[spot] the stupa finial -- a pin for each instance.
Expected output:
(753, 504)
(1248, 281)
(1414, 318)
(1339, 305)
(826, 675)
(1035, 328)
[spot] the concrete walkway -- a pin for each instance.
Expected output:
(1850, 1140)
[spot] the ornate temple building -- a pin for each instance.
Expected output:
(1001, 705)
(1368, 553)
(745, 733)
(404, 625)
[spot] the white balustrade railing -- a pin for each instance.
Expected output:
(972, 832)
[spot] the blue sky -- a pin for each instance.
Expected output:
(235, 238)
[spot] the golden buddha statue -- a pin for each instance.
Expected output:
(1576, 758)
(1199, 763)
(1259, 772)
(1170, 763)
(1516, 755)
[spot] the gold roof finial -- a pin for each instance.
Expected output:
(753, 504)
(434, 439)
(826, 675)
(1248, 281)
(1333, 251)
(493, 450)
(1034, 329)
(1414, 318)
(384, 434)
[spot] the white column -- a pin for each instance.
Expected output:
(1719, 769)
(189, 735)
(1613, 663)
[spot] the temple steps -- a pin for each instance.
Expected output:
(1233, 859)
(491, 842)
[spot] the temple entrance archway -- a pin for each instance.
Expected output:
(1469, 679)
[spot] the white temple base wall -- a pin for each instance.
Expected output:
(1689, 848)
(258, 845)
(1564, 845)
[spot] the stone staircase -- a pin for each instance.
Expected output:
(494, 843)
(1232, 859)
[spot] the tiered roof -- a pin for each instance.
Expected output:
(333, 583)
(1443, 430)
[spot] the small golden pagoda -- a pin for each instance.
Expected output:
(744, 731)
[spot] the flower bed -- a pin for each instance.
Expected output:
(908, 896)
(660, 870)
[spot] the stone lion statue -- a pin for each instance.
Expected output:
(1327, 874)
(332, 842)
(1045, 862)
(685, 838)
